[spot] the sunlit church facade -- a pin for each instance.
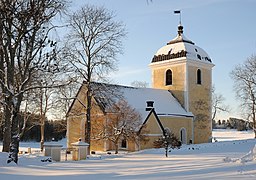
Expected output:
(179, 100)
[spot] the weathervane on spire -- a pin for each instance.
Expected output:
(178, 12)
(180, 27)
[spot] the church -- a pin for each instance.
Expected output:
(179, 100)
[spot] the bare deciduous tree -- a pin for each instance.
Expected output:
(63, 98)
(218, 104)
(244, 77)
(139, 84)
(94, 41)
(123, 123)
(42, 103)
(25, 49)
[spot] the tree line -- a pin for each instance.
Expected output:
(54, 129)
(233, 123)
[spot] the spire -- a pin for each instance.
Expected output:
(180, 37)
(180, 27)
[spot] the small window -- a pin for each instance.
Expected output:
(183, 136)
(124, 144)
(168, 77)
(199, 76)
(195, 49)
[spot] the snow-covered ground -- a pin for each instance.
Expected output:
(231, 134)
(229, 158)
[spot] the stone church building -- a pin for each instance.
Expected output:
(180, 99)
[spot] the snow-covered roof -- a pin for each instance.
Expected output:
(181, 46)
(164, 102)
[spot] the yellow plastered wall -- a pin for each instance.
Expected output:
(152, 132)
(200, 103)
(175, 124)
(75, 129)
(97, 123)
(76, 125)
(132, 146)
(199, 95)
(97, 145)
(178, 75)
(76, 121)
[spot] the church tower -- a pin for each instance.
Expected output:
(186, 70)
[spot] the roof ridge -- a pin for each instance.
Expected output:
(119, 85)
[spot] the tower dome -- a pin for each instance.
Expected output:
(180, 47)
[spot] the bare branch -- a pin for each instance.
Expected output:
(92, 46)
(244, 77)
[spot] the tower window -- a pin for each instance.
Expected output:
(199, 77)
(168, 77)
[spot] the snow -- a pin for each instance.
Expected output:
(181, 43)
(224, 159)
(191, 49)
(164, 102)
(232, 134)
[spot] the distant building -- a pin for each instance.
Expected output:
(179, 100)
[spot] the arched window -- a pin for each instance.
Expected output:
(198, 77)
(183, 136)
(168, 77)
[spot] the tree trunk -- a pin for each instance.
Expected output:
(88, 118)
(42, 123)
(166, 151)
(7, 128)
(14, 146)
(254, 117)
(116, 148)
(253, 110)
(42, 133)
(214, 114)
(254, 131)
(22, 131)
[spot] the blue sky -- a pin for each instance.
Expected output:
(225, 29)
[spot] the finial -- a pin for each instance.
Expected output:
(180, 29)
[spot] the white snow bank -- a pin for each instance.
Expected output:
(250, 156)
(231, 134)
(197, 161)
